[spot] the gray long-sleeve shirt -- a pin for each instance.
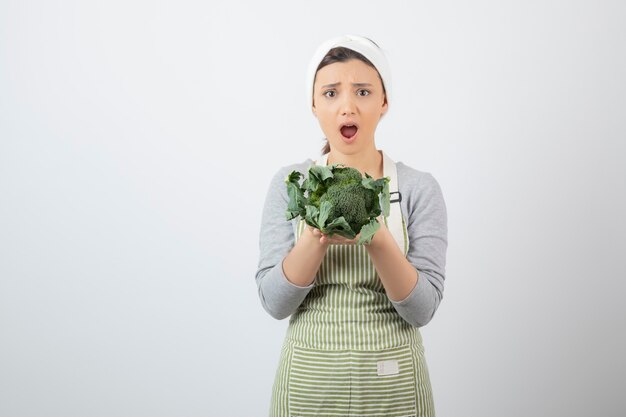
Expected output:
(424, 211)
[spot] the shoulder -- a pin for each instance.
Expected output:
(413, 181)
(420, 192)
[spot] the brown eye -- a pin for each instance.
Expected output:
(329, 91)
(366, 91)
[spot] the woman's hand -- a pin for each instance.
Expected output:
(335, 239)
(318, 235)
(323, 239)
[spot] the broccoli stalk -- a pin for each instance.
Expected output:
(338, 200)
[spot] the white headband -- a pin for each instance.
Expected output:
(362, 45)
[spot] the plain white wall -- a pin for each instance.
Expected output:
(137, 142)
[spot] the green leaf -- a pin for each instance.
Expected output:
(293, 177)
(370, 183)
(339, 226)
(381, 187)
(367, 232)
(325, 208)
(311, 216)
(386, 198)
(317, 175)
(297, 200)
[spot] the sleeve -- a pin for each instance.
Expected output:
(428, 241)
(279, 296)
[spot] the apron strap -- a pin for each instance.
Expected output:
(394, 220)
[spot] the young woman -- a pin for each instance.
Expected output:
(353, 345)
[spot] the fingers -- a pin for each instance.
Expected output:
(335, 239)
(340, 240)
(316, 232)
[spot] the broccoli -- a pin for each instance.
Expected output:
(339, 200)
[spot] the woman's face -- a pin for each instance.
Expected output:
(348, 92)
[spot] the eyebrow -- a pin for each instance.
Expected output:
(354, 84)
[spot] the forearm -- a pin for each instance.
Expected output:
(396, 273)
(283, 287)
(300, 266)
(411, 291)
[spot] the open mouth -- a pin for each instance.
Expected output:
(348, 131)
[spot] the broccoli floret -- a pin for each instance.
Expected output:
(347, 175)
(349, 198)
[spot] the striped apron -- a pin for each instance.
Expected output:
(347, 352)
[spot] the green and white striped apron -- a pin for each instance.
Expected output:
(347, 352)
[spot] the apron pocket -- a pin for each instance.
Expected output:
(319, 382)
(343, 383)
(383, 383)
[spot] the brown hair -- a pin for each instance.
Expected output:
(342, 54)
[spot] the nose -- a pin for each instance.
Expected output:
(348, 104)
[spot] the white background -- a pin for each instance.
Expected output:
(137, 142)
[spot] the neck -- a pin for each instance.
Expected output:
(370, 161)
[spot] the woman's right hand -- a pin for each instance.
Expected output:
(317, 233)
